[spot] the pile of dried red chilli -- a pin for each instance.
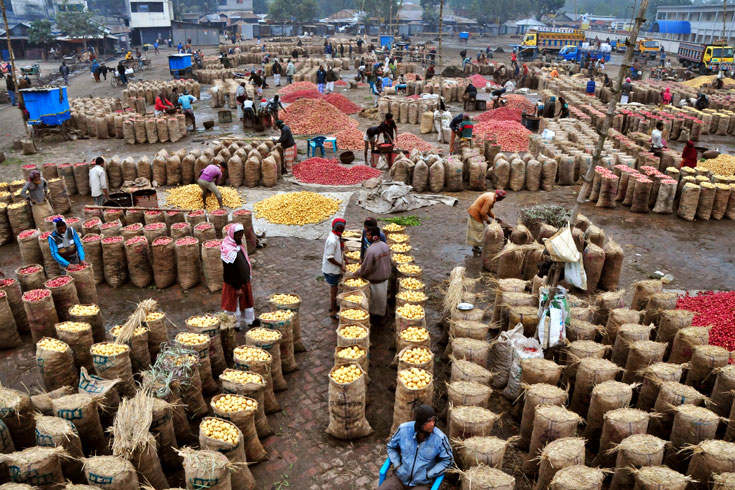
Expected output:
(716, 309)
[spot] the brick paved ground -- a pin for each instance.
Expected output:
(301, 455)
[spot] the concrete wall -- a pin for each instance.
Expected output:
(150, 19)
(670, 46)
(200, 35)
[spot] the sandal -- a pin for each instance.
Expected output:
(334, 316)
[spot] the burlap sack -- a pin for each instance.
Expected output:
(253, 389)
(9, 337)
(187, 262)
(407, 399)
(347, 408)
(81, 410)
(16, 412)
(245, 421)
(116, 366)
(173, 170)
(37, 466)
(112, 472)
(114, 261)
(208, 469)
(57, 367)
(57, 432)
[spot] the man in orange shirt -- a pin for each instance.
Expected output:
(481, 212)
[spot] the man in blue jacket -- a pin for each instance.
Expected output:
(419, 453)
(66, 248)
(321, 78)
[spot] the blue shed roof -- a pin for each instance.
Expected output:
(672, 27)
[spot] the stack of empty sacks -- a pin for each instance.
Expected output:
(519, 255)
(638, 411)
(478, 454)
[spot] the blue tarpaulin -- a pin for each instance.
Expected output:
(47, 105)
(672, 27)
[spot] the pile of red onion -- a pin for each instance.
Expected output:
(330, 172)
(716, 309)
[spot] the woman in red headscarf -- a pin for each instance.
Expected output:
(333, 262)
(237, 274)
(689, 155)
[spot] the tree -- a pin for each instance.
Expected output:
(430, 16)
(40, 32)
(78, 24)
(260, 7)
(490, 11)
(543, 7)
(381, 8)
(299, 10)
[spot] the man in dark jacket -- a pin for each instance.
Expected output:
(470, 96)
(121, 72)
(10, 85)
(289, 146)
(321, 78)
(277, 72)
(64, 71)
(331, 78)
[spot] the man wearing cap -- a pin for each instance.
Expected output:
(419, 453)
(625, 91)
(481, 212)
(66, 248)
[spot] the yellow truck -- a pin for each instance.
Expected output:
(551, 38)
(648, 47)
(706, 58)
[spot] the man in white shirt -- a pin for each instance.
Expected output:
(657, 143)
(333, 264)
(98, 182)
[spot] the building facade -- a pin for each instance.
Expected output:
(29, 9)
(706, 22)
(69, 5)
(235, 5)
(150, 20)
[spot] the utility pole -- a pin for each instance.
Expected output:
(441, 18)
(610, 115)
(724, 21)
(12, 64)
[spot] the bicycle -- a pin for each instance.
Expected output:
(115, 81)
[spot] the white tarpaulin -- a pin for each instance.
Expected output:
(315, 231)
(395, 197)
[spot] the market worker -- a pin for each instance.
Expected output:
(208, 180)
(274, 104)
(550, 108)
(185, 102)
(36, 191)
(237, 275)
(554, 73)
(321, 78)
(371, 138)
(162, 104)
(419, 453)
(365, 243)
(657, 139)
(333, 263)
(470, 95)
(625, 91)
(289, 146)
(481, 212)
(465, 129)
(590, 90)
(98, 182)
(390, 130)
(66, 248)
(375, 267)
(454, 126)
(564, 108)
(689, 155)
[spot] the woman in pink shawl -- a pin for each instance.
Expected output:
(237, 292)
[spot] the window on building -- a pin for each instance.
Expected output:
(223, 3)
(146, 7)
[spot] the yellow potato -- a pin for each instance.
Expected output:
(353, 352)
(235, 403)
(221, 430)
(55, 345)
(84, 310)
(355, 283)
(416, 355)
(264, 334)
(411, 283)
(188, 338)
(108, 349)
(285, 299)
(411, 311)
(353, 314)
(250, 353)
(73, 326)
(242, 377)
(353, 332)
(409, 269)
(415, 378)
(412, 296)
(277, 315)
(203, 321)
(346, 374)
(415, 334)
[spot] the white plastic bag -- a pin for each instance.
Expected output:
(551, 329)
(522, 348)
(547, 135)
(575, 275)
(561, 246)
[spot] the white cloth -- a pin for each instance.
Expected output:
(277, 78)
(97, 180)
(330, 87)
(623, 99)
(332, 250)
(378, 298)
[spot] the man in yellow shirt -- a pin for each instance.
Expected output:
(481, 212)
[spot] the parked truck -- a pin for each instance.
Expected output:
(578, 54)
(706, 58)
(552, 38)
(648, 47)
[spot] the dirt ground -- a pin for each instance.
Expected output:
(699, 255)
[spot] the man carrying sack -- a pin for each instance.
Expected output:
(481, 212)
(36, 191)
(376, 268)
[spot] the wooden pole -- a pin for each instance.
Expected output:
(138, 208)
(18, 95)
(441, 19)
(610, 115)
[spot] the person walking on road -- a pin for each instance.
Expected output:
(64, 70)
(121, 72)
(10, 85)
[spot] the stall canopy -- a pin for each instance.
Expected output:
(672, 27)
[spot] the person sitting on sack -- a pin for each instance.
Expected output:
(419, 453)
(481, 212)
(376, 268)
(66, 247)
(36, 192)
(237, 275)
(163, 105)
